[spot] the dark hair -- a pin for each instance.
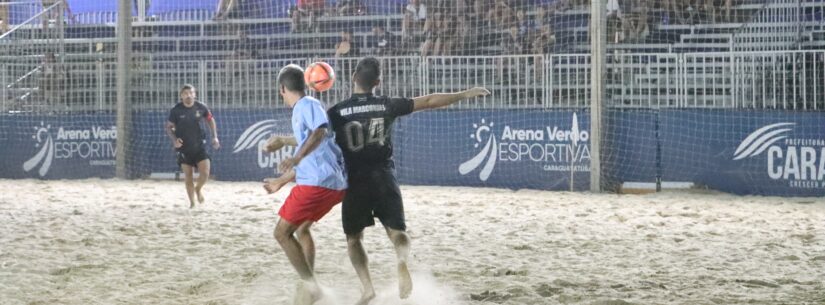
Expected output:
(187, 87)
(292, 77)
(367, 73)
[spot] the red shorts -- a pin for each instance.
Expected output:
(309, 203)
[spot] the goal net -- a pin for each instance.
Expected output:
(723, 94)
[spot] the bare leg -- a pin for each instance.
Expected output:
(307, 244)
(293, 250)
(190, 185)
(359, 260)
(401, 241)
(203, 176)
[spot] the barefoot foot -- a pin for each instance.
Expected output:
(366, 297)
(200, 196)
(308, 293)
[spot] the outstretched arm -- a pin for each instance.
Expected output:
(310, 145)
(438, 100)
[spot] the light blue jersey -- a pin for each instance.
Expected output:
(324, 166)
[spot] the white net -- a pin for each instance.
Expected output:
(695, 65)
(694, 96)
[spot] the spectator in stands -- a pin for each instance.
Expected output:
(692, 12)
(464, 36)
(635, 25)
(709, 10)
(501, 15)
(543, 41)
(613, 8)
(446, 36)
(51, 80)
(54, 13)
(434, 28)
(245, 49)
(512, 42)
(310, 9)
(431, 35)
(415, 16)
(4, 27)
(728, 6)
(522, 23)
(4, 17)
(351, 8)
(225, 7)
(383, 42)
(475, 15)
(674, 11)
(347, 47)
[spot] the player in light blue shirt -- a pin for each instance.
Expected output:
(318, 170)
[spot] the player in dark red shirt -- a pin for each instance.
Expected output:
(184, 129)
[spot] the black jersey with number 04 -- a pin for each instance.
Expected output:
(187, 125)
(363, 128)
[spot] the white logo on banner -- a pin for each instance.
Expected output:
(255, 137)
(490, 152)
(256, 133)
(554, 148)
(799, 162)
(760, 139)
(45, 156)
(96, 144)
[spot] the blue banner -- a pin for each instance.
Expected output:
(512, 149)
(57, 146)
(742, 151)
(242, 134)
(746, 152)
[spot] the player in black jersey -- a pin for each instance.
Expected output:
(184, 129)
(363, 128)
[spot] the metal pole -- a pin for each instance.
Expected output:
(3, 85)
(124, 111)
(61, 32)
(597, 49)
(141, 7)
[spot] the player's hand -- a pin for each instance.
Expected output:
(216, 144)
(272, 185)
(178, 143)
(476, 92)
(287, 164)
(274, 144)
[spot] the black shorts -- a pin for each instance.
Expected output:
(192, 158)
(372, 194)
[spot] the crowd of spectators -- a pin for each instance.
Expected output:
(464, 27)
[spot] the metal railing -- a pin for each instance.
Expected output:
(759, 80)
(793, 80)
(777, 26)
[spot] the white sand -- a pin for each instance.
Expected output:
(114, 242)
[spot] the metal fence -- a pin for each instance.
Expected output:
(754, 80)
(770, 80)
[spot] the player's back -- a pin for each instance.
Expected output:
(363, 128)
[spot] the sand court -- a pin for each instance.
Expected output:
(136, 242)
